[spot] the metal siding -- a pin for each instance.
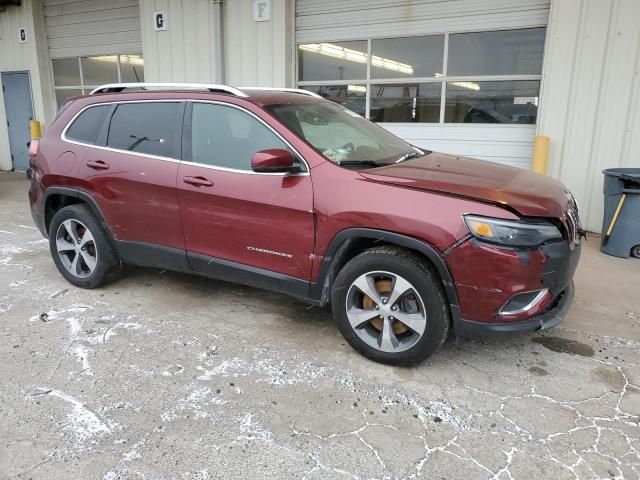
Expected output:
(185, 51)
(590, 103)
(258, 53)
(332, 20)
(92, 27)
(506, 144)
(30, 56)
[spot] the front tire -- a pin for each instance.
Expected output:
(389, 304)
(80, 247)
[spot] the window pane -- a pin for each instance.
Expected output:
(492, 102)
(418, 102)
(132, 68)
(227, 137)
(66, 72)
(407, 57)
(100, 70)
(62, 95)
(332, 61)
(351, 96)
(512, 52)
(145, 127)
(87, 126)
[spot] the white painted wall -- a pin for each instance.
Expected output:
(258, 53)
(185, 51)
(590, 104)
(32, 57)
(506, 144)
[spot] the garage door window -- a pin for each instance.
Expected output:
(79, 75)
(478, 77)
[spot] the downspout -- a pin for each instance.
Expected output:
(218, 43)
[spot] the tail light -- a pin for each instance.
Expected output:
(33, 148)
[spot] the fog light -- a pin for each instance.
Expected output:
(523, 302)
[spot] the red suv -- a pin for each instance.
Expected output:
(283, 190)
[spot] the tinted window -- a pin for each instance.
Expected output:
(228, 137)
(407, 57)
(146, 128)
(87, 125)
(511, 52)
(332, 61)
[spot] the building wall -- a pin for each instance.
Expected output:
(185, 52)
(32, 57)
(590, 104)
(258, 53)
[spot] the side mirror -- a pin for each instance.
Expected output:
(273, 160)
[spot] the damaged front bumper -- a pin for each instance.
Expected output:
(487, 278)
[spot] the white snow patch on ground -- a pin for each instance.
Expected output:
(81, 421)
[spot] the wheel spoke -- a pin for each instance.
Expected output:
(414, 321)
(388, 340)
(86, 237)
(71, 231)
(64, 246)
(364, 283)
(89, 260)
(400, 287)
(75, 265)
(357, 316)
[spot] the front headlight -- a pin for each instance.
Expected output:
(512, 233)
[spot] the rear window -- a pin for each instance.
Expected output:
(150, 128)
(86, 127)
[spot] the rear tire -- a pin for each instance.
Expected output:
(81, 249)
(635, 251)
(405, 317)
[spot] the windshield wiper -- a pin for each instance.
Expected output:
(407, 156)
(367, 163)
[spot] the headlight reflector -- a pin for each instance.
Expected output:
(510, 232)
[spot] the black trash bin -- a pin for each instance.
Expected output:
(621, 224)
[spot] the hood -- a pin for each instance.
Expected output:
(530, 194)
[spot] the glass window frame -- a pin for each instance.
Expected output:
(442, 80)
(84, 87)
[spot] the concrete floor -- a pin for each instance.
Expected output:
(163, 375)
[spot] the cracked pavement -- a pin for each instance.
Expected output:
(164, 375)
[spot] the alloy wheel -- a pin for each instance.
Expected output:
(76, 248)
(386, 311)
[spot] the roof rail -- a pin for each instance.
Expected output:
(119, 87)
(290, 90)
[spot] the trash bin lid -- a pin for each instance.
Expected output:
(629, 174)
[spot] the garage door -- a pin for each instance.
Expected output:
(92, 27)
(458, 76)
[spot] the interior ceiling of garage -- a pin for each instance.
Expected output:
(92, 27)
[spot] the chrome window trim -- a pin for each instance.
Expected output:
(64, 138)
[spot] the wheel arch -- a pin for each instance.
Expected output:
(350, 242)
(56, 198)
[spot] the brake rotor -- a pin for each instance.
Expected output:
(383, 286)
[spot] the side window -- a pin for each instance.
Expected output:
(228, 137)
(150, 128)
(87, 125)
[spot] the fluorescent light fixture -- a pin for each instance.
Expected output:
(336, 51)
(357, 88)
(131, 59)
(469, 85)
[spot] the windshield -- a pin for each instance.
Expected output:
(342, 136)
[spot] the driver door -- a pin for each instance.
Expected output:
(241, 225)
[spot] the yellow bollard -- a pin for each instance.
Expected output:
(36, 130)
(540, 154)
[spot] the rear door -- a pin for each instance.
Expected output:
(131, 171)
(232, 214)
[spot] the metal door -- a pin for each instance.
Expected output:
(16, 89)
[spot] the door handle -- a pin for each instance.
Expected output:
(198, 181)
(97, 165)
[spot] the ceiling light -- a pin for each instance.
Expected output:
(336, 51)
